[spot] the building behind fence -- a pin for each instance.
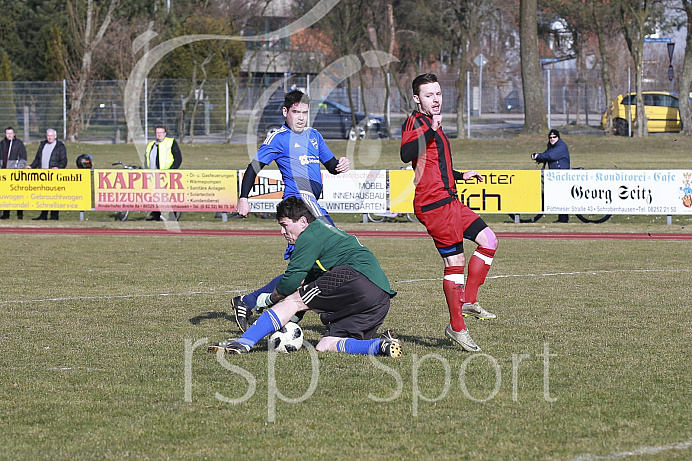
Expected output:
(193, 114)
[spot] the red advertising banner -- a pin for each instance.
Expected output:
(175, 190)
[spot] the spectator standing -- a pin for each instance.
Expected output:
(556, 156)
(51, 154)
(162, 154)
(12, 155)
(437, 206)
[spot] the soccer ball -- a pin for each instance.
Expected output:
(288, 339)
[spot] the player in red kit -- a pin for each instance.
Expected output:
(437, 207)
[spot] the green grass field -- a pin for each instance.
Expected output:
(655, 152)
(97, 357)
(104, 337)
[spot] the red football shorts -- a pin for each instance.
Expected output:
(446, 224)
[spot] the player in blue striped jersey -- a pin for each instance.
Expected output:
(298, 152)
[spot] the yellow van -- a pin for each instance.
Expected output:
(661, 112)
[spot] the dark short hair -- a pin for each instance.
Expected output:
(422, 79)
(294, 97)
(162, 127)
(293, 208)
(9, 128)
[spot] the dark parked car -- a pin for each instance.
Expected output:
(513, 102)
(330, 118)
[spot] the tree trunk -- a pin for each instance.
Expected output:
(365, 105)
(469, 16)
(350, 105)
(387, 96)
(461, 81)
(640, 123)
(633, 18)
(236, 99)
(198, 90)
(236, 95)
(386, 69)
(461, 95)
(184, 100)
(403, 94)
(76, 118)
(532, 82)
(686, 76)
(605, 69)
(8, 117)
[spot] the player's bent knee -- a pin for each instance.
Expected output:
(487, 239)
(287, 308)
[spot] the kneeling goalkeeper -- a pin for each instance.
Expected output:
(330, 273)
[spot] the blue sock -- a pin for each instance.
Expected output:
(359, 346)
(251, 299)
(266, 324)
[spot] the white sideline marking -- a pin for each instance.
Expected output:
(549, 274)
(81, 298)
(190, 293)
(637, 452)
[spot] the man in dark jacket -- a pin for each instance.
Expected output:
(12, 155)
(557, 158)
(51, 154)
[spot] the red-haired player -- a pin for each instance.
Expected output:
(437, 207)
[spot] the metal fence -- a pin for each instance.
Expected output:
(193, 114)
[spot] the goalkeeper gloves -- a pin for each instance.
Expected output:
(264, 300)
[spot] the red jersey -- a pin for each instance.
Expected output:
(431, 157)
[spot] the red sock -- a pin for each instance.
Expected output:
(454, 293)
(479, 265)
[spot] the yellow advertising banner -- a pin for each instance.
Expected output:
(502, 191)
(401, 191)
(38, 189)
(175, 190)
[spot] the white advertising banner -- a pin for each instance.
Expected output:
(267, 191)
(646, 192)
(356, 191)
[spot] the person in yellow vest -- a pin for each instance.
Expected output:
(162, 154)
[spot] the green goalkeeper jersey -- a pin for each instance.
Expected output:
(321, 247)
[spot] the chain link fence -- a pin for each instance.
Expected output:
(203, 113)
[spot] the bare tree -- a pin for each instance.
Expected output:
(470, 17)
(345, 27)
(602, 17)
(384, 34)
(116, 48)
(242, 11)
(686, 75)
(8, 117)
(236, 92)
(89, 24)
(381, 32)
(535, 121)
(637, 20)
(585, 20)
